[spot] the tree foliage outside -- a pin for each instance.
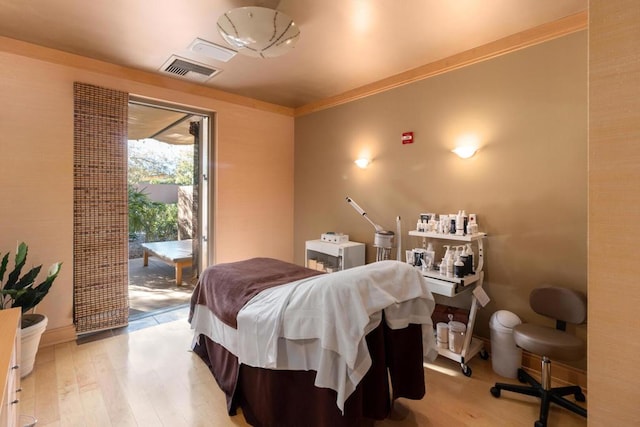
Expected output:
(158, 221)
(155, 162)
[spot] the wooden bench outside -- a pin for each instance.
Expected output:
(175, 252)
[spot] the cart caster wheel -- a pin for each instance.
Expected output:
(466, 370)
(484, 355)
(579, 397)
(495, 391)
(539, 424)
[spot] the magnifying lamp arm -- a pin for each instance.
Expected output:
(361, 211)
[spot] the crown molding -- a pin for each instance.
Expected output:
(512, 43)
(46, 54)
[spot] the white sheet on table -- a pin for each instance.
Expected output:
(331, 314)
(334, 371)
(204, 322)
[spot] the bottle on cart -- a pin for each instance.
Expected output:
(443, 266)
(460, 224)
(430, 254)
(469, 262)
(472, 225)
(464, 257)
(450, 263)
(465, 221)
(458, 268)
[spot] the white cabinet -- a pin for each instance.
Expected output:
(329, 257)
(9, 368)
(453, 286)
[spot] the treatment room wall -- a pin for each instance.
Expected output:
(527, 183)
(252, 169)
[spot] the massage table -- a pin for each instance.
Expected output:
(291, 346)
(178, 253)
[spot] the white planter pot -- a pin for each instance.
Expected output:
(30, 339)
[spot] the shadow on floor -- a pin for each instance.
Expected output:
(154, 287)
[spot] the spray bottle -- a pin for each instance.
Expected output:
(445, 260)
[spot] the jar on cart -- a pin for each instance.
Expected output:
(457, 332)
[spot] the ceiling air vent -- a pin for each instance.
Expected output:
(188, 69)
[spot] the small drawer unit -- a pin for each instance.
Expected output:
(326, 256)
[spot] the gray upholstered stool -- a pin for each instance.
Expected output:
(565, 306)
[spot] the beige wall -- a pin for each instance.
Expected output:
(614, 206)
(527, 184)
(253, 166)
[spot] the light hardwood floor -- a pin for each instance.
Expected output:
(150, 378)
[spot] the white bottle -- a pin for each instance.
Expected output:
(472, 226)
(443, 266)
(444, 224)
(447, 251)
(430, 255)
(448, 261)
(459, 224)
(450, 266)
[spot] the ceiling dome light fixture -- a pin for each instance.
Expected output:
(259, 32)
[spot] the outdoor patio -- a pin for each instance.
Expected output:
(153, 288)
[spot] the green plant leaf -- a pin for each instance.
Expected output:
(3, 266)
(28, 278)
(21, 258)
(19, 291)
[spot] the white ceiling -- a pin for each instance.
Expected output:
(344, 44)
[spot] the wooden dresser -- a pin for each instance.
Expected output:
(9, 369)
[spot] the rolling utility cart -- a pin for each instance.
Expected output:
(452, 286)
(328, 256)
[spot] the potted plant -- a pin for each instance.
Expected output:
(20, 291)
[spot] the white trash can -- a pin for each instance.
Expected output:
(506, 357)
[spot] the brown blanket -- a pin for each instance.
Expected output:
(226, 288)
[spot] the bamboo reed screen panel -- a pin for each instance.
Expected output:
(100, 217)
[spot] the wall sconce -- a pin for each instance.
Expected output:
(465, 152)
(362, 162)
(467, 145)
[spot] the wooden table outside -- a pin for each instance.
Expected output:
(175, 252)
